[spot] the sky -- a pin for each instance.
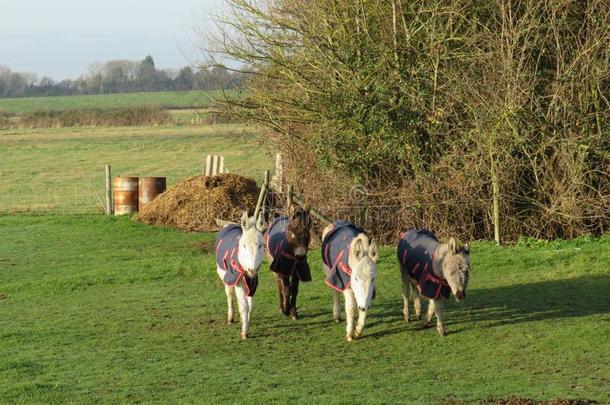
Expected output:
(61, 38)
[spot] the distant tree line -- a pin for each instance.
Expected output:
(118, 76)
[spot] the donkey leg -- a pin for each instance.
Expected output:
(336, 306)
(416, 301)
(429, 314)
(244, 310)
(294, 291)
(439, 307)
(361, 320)
(229, 294)
(283, 286)
(250, 306)
(406, 287)
(350, 306)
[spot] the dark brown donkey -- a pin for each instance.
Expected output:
(287, 240)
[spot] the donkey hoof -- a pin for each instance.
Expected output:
(337, 320)
(357, 334)
(441, 331)
(244, 335)
(406, 318)
(349, 338)
(230, 321)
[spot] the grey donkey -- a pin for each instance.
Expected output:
(433, 270)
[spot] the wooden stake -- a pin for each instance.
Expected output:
(214, 165)
(261, 195)
(289, 196)
(267, 182)
(109, 207)
(208, 165)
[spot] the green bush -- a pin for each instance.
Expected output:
(446, 114)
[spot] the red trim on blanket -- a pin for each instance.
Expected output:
(337, 288)
(415, 268)
(338, 258)
(345, 268)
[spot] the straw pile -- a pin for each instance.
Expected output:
(195, 202)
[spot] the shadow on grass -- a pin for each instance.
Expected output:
(538, 301)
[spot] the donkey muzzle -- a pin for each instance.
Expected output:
(459, 295)
(300, 252)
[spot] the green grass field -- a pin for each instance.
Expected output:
(97, 309)
(62, 170)
(164, 100)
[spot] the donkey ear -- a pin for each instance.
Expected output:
(452, 245)
(373, 251)
(245, 223)
(466, 249)
(260, 223)
(358, 249)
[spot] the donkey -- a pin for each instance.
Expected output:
(287, 240)
(349, 260)
(239, 253)
(433, 270)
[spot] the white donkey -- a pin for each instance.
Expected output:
(349, 260)
(434, 270)
(239, 254)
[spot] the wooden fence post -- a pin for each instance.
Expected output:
(289, 196)
(109, 207)
(278, 178)
(261, 196)
(214, 165)
(266, 182)
(208, 165)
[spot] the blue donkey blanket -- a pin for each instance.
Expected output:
(335, 254)
(227, 245)
(415, 252)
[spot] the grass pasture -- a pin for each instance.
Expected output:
(96, 309)
(62, 169)
(164, 100)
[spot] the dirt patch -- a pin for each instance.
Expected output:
(195, 202)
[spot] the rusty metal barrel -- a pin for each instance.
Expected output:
(149, 189)
(125, 195)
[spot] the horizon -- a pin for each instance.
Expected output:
(79, 35)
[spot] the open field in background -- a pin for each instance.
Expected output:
(97, 309)
(163, 100)
(61, 170)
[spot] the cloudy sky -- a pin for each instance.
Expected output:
(61, 38)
